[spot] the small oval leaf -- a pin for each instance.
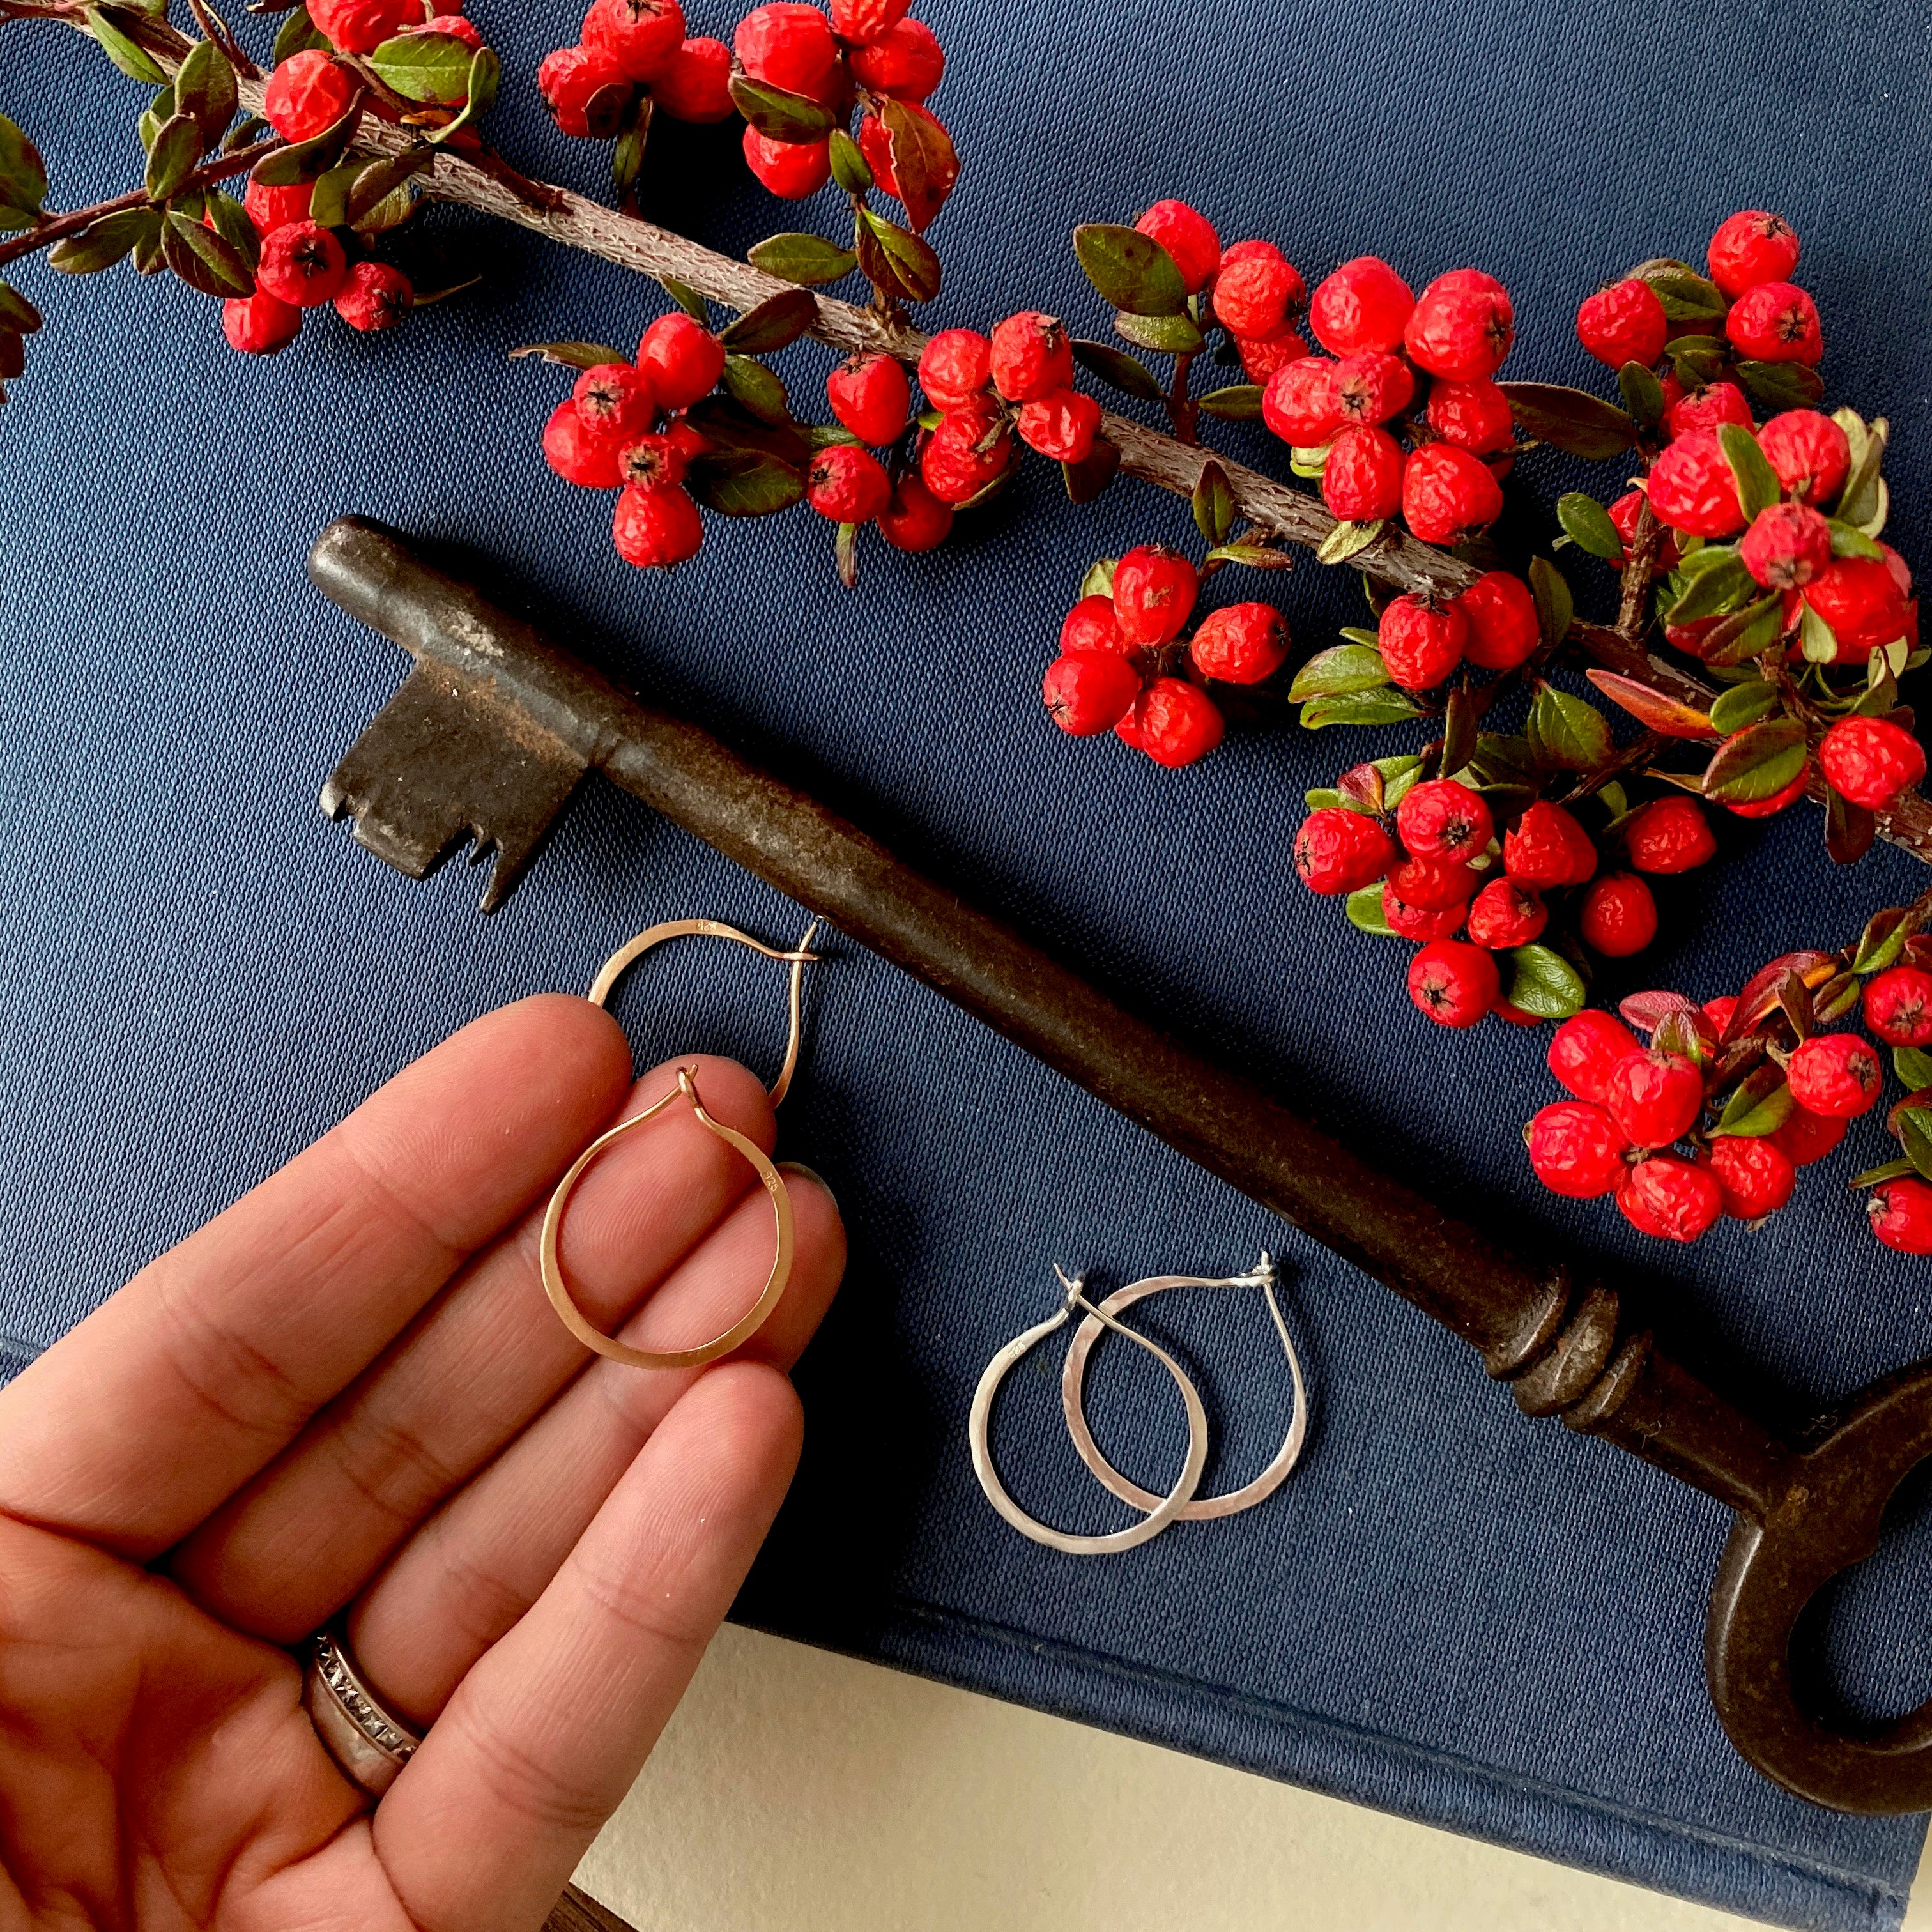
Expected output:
(1130, 270)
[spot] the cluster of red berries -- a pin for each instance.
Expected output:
(1121, 649)
(631, 45)
(1452, 872)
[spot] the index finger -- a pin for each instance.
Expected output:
(178, 1389)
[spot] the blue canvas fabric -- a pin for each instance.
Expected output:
(1447, 1612)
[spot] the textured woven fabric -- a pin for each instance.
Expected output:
(1446, 1612)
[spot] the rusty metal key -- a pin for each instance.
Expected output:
(495, 726)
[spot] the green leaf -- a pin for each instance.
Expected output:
(1775, 386)
(1642, 394)
(1722, 584)
(232, 224)
(160, 112)
(1256, 556)
(1322, 799)
(1743, 704)
(1862, 497)
(755, 386)
(1542, 982)
(1758, 763)
(1758, 486)
(1818, 640)
(298, 34)
(1398, 775)
(1913, 1066)
(177, 151)
(1086, 478)
(1213, 502)
(1099, 581)
(204, 259)
(1120, 371)
(1588, 525)
(205, 87)
(1748, 633)
(1131, 271)
(849, 166)
(1343, 668)
(309, 161)
(23, 177)
(1346, 540)
(425, 66)
(1847, 540)
(1686, 295)
(1891, 1170)
(924, 165)
(1913, 1126)
(807, 260)
(485, 79)
(16, 313)
(779, 116)
(744, 483)
(1760, 1105)
(1241, 403)
(893, 257)
(369, 187)
(1554, 606)
(1365, 912)
(1699, 360)
(1570, 419)
(688, 298)
(103, 243)
(1360, 707)
(1566, 732)
(571, 355)
(127, 54)
(777, 320)
(1170, 334)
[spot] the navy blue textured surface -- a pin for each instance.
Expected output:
(1446, 1612)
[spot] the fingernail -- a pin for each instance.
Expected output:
(810, 1174)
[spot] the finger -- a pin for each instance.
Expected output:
(545, 1735)
(478, 1563)
(299, 1540)
(189, 1379)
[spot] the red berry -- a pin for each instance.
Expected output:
(1361, 482)
(652, 462)
(1624, 322)
(1776, 322)
(1710, 407)
(1584, 1049)
(1860, 598)
(1670, 1199)
(1089, 691)
(615, 400)
(1618, 916)
(1462, 326)
(1363, 304)
(915, 519)
(1255, 295)
(688, 441)
(1901, 1215)
(1501, 613)
(577, 453)
(1768, 808)
(1337, 850)
(1577, 1150)
(1372, 387)
(1433, 885)
(1453, 983)
(1440, 819)
(1806, 1137)
(1692, 487)
(1809, 453)
(1174, 724)
(1871, 760)
(301, 264)
(1751, 248)
(682, 357)
(1031, 357)
(862, 22)
(1153, 592)
(1898, 1006)
(871, 396)
(906, 62)
(1755, 1176)
(1625, 513)
(1186, 236)
(790, 169)
(655, 528)
(848, 485)
(586, 91)
(272, 208)
(1299, 403)
(454, 26)
(1447, 495)
(261, 323)
(1419, 923)
(1241, 643)
(1090, 625)
(1504, 913)
(374, 295)
(1546, 846)
(1060, 424)
(1249, 251)
(968, 452)
(695, 84)
(306, 95)
(1475, 416)
(1655, 1098)
(1786, 546)
(1260, 360)
(789, 46)
(955, 368)
(360, 26)
(875, 143)
(643, 37)
(1836, 1074)
(1421, 643)
(1669, 834)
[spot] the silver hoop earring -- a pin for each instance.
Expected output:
(1072, 1395)
(1161, 1510)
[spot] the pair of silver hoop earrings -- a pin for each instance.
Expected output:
(1181, 1501)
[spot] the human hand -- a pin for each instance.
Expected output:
(349, 1391)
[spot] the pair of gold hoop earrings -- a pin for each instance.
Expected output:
(1181, 1501)
(754, 1318)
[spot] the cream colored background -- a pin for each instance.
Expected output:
(799, 1791)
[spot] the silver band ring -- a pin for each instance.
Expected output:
(369, 1746)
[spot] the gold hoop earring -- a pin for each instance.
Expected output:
(754, 1318)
